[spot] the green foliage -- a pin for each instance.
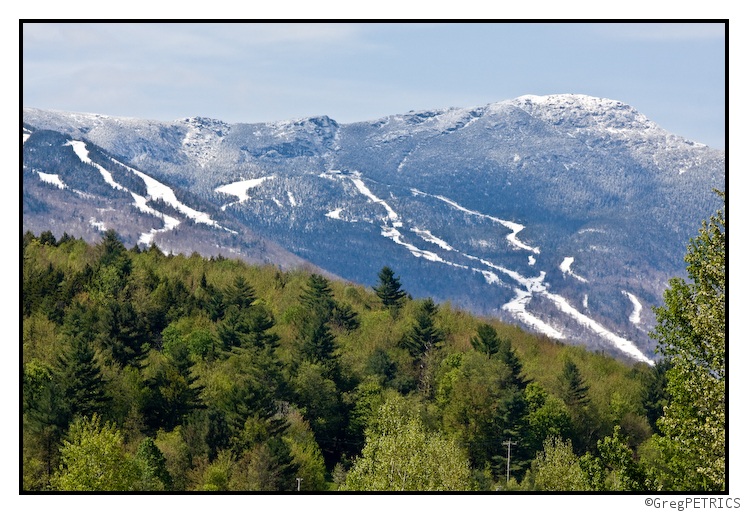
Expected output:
(151, 466)
(573, 387)
(93, 459)
(389, 289)
(487, 340)
(247, 377)
(691, 334)
(400, 455)
(626, 473)
(558, 468)
(305, 452)
(80, 379)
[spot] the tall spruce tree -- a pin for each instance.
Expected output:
(80, 379)
(389, 289)
(573, 388)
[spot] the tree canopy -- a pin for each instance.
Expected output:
(151, 372)
(691, 335)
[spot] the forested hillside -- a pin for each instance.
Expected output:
(148, 372)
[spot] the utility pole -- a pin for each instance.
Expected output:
(298, 484)
(508, 445)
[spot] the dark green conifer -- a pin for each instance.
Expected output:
(80, 379)
(573, 388)
(389, 288)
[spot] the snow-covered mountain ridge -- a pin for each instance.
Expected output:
(565, 213)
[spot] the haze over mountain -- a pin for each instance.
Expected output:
(564, 213)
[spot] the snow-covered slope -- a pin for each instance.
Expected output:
(539, 209)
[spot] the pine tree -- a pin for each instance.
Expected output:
(151, 466)
(423, 335)
(573, 388)
(240, 294)
(486, 341)
(317, 296)
(315, 338)
(389, 289)
(80, 379)
(422, 340)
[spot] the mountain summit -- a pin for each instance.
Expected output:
(564, 213)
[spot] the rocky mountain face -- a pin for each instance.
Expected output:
(566, 214)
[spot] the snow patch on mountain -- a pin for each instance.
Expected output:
(635, 316)
(514, 227)
(240, 189)
(566, 268)
(51, 179)
(203, 138)
(98, 225)
(158, 191)
(518, 307)
(622, 344)
(335, 214)
(79, 147)
(431, 238)
(391, 214)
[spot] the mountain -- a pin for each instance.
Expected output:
(84, 191)
(566, 214)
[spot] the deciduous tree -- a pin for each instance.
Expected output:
(691, 333)
(93, 459)
(400, 455)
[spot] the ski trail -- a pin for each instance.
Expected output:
(391, 214)
(514, 227)
(566, 268)
(51, 178)
(635, 316)
(240, 189)
(156, 190)
(530, 286)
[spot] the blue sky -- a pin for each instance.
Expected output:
(673, 73)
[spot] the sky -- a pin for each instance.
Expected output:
(673, 73)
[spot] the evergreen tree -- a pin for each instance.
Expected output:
(389, 289)
(423, 335)
(114, 253)
(45, 415)
(79, 376)
(318, 295)
(240, 294)
(654, 395)
(573, 388)
(344, 317)
(123, 333)
(513, 420)
(486, 341)
(151, 467)
(315, 338)
(422, 341)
